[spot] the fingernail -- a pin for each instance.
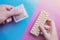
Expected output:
(9, 20)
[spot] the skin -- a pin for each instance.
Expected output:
(49, 30)
(6, 13)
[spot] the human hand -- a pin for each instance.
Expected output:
(6, 13)
(49, 30)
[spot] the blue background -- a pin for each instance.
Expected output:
(14, 31)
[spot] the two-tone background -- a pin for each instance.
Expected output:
(15, 31)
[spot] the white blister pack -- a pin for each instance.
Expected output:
(43, 16)
(22, 16)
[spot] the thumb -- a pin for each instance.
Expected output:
(41, 27)
(14, 12)
(7, 7)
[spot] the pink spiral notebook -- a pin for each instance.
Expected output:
(54, 13)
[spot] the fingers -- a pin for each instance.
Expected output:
(8, 20)
(14, 12)
(46, 27)
(41, 33)
(8, 7)
(9, 11)
(48, 22)
(53, 27)
(51, 23)
(43, 30)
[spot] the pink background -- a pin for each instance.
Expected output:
(53, 8)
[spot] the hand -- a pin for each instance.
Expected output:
(6, 13)
(49, 30)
